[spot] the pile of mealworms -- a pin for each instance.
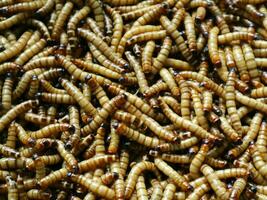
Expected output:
(129, 99)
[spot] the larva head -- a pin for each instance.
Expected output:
(75, 169)
(176, 139)
(81, 31)
(207, 142)
(88, 79)
(2, 48)
(35, 156)
(31, 142)
(46, 195)
(115, 175)
(257, 84)
(35, 103)
(193, 150)
(9, 75)
(162, 103)
(106, 86)
(4, 10)
(209, 3)
(238, 141)
(50, 42)
(34, 77)
(217, 141)
(61, 80)
(214, 119)
(217, 110)
(43, 82)
(165, 5)
(104, 126)
(69, 145)
(198, 21)
(252, 187)
(59, 58)
(238, 163)
(243, 87)
(190, 188)
(89, 138)
(38, 96)
(126, 66)
(71, 128)
(70, 174)
(153, 153)
(49, 142)
(122, 79)
(16, 68)
(119, 127)
(16, 154)
(120, 100)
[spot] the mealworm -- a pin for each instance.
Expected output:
(194, 168)
(133, 32)
(22, 7)
(62, 17)
(72, 24)
(238, 187)
(230, 102)
(185, 124)
(133, 175)
(102, 46)
(13, 163)
(198, 107)
(250, 1)
(190, 33)
(117, 28)
(95, 162)
(51, 129)
(12, 189)
(229, 131)
(185, 97)
(95, 28)
(98, 13)
(8, 152)
(157, 35)
(160, 60)
(11, 136)
(23, 137)
(45, 9)
(137, 13)
(122, 129)
(213, 47)
(252, 133)
(151, 15)
(38, 194)
(215, 183)
(107, 109)
(178, 179)
(7, 92)
(16, 48)
(56, 98)
(170, 28)
(228, 37)
(51, 89)
(199, 191)
(41, 27)
(136, 101)
(53, 177)
(73, 91)
(94, 186)
(200, 78)
(15, 111)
